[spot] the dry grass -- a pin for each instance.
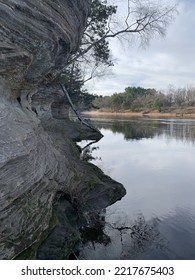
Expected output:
(153, 114)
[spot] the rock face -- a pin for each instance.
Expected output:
(39, 163)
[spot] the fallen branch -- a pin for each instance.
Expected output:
(76, 112)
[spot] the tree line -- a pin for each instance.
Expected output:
(140, 99)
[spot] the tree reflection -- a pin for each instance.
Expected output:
(183, 130)
(140, 237)
(135, 239)
(130, 130)
(87, 151)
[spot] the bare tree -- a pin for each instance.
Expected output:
(143, 19)
(140, 19)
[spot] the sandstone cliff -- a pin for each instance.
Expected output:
(42, 179)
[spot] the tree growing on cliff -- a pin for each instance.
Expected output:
(73, 82)
(141, 20)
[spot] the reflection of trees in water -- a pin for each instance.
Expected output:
(87, 150)
(183, 131)
(138, 129)
(139, 237)
(130, 130)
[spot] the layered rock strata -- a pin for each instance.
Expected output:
(41, 175)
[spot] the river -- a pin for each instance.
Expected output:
(155, 161)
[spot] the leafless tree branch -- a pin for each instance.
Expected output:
(149, 21)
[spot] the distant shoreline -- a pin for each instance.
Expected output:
(181, 115)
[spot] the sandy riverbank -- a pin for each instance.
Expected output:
(140, 114)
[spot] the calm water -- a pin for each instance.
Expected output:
(154, 160)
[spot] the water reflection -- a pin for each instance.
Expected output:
(154, 160)
(87, 151)
(148, 128)
(130, 241)
(139, 238)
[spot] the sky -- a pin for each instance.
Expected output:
(166, 62)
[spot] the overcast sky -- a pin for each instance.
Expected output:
(166, 61)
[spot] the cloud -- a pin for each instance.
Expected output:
(166, 61)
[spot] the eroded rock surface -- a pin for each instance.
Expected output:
(38, 159)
